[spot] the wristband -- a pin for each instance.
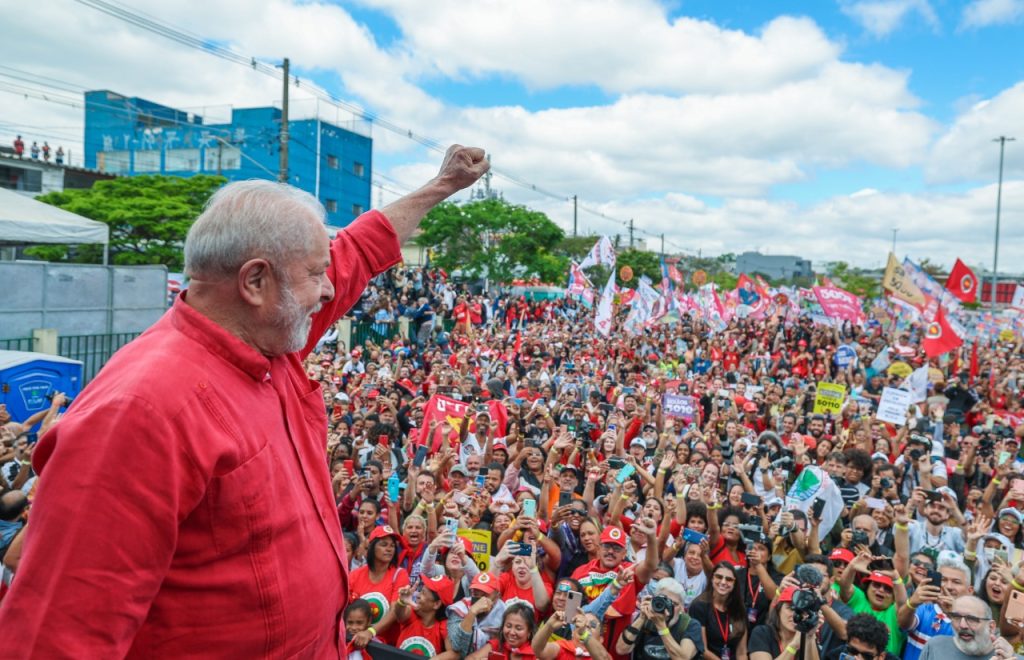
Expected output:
(625, 497)
(373, 631)
(714, 507)
(997, 482)
(584, 636)
(1015, 585)
(663, 631)
(535, 570)
(790, 650)
(901, 526)
(970, 555)
(615, 584)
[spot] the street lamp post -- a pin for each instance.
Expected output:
(1002, 140)
(894, 231)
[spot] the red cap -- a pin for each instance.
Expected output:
(384, 531)
(841, 554)
(810, 442)
(786, 595)
(749, 406)
(443, 587)
(485, 582)
(407, 384)
(373, 394)
(499, 445)
(880, 578)
(613, 535)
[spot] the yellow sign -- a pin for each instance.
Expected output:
(897, 282)
(481, 540)
(1006, 335)
(901, 369)
(829, 399)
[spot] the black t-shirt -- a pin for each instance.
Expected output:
(714, 623)
(763, 640)
(754, 596)
(650, 647)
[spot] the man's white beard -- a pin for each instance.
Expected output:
(294, 320)
(980, 645)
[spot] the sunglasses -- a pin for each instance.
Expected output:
(852, 652)
(922, 564)
(577, 512)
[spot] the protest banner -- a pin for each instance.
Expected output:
(443, 409)
(845, 356)
(481, 540)
(678, 405)
(829, 398)
(839, 304)
(893, 406)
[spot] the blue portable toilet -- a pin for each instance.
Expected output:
(28, 380)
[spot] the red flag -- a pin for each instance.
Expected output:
(443, 409)
(974, 363)
(939, 337)
(962, 282)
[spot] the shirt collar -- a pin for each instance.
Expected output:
(217, 340)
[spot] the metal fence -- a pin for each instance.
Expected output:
(92, 350)
(363, 330)
(20, 344)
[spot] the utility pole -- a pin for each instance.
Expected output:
(663, 245)
(574, 215)
(894, 232)
(1002, 140)
(283, 174)
(631, 233)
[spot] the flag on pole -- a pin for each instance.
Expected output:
(601, 254)
(962, 282)
(939, 337)
(898, 283)
(603, 317)
(917, 384)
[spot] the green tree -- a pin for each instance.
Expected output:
(494, 238)
(576, 247)
(855, 280)
(725, 280)
(642, 262)
(148, 217)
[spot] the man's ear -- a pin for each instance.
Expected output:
(255, 278)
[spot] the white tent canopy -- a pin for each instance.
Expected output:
(24, 221)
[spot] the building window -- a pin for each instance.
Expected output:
(182, 160)
(332, 162)
(114, 162)
(15, 178)
(331, 205)
(147, 161)
(358, 169)
(220, 158)
(357, 209)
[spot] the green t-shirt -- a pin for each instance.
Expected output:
(859, 604)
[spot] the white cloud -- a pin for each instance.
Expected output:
(982, 13)
(883, 17)
(966, 151)
(617, 46)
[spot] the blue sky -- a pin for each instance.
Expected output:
(794, 127)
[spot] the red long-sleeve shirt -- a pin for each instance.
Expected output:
(185, 508)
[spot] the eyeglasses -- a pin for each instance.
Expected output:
(723, 578)
(969, 619)
(922, 564)
(852, 652)
(1012, 519)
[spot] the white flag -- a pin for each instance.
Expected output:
(881, 361)
(601, 254)
(917, 383)
(603, 317)
(1018, 297)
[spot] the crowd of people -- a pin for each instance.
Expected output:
(616, 529)
(556, 509)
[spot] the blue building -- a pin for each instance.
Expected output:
(129, 135)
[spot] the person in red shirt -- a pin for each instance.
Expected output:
(219, 534)
(585, 642)
(378, 583)
(523, 582)
(423, 626)
(596, 575)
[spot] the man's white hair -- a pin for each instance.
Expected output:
(671, 586)
(250, 219)
(947, 561)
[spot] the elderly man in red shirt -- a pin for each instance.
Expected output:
(185, 508)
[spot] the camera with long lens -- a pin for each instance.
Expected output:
(807, 601)
(783, 462)
(663, 605)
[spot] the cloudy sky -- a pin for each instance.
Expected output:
(811, 128)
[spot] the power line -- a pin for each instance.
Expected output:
(161, 28)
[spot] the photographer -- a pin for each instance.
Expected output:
(779, 639)
(662, 629)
